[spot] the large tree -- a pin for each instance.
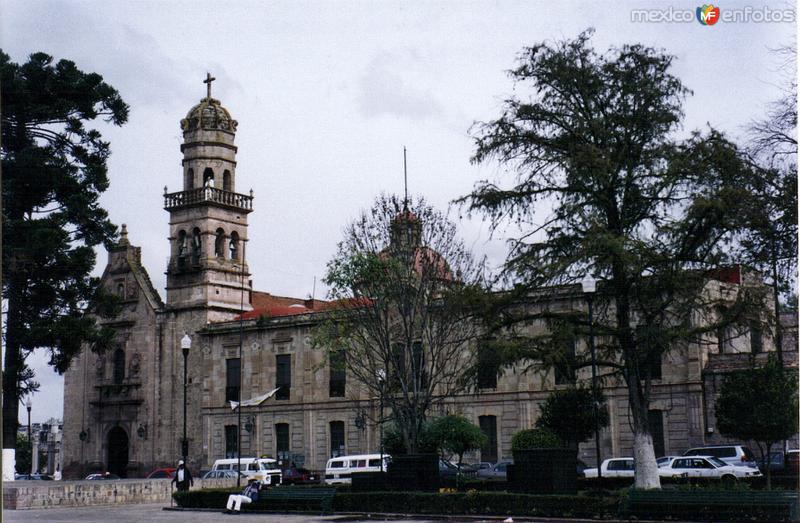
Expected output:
(406, 291)
(54, 170)
(761, 405)
(769, 240)
(569, 414)
(604, 188)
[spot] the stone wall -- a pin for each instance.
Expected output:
(45, 494)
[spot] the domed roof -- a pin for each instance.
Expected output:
(209, 115)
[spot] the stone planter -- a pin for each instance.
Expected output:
(545, 471)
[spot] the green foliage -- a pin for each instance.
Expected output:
(759, 404)
(601, 187)
(476, 503)
(54, 171)
(535, 439)
(407, 293)
(456, 434)
(393, 443)
(568, 414)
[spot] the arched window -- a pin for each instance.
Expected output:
(208, 177)
(119, 366)
(189, 180)
(234, 246)
(182, 249)
(226, 181)
(197, 245)
(121, 290)
(219, 244)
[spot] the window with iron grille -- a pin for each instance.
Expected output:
(282, 442)
(488, 425)
(488, 367)
(337, 439)
(233, 379)
(283, 378)
(231, 440)
(338, 375)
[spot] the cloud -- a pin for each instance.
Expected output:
(388, 87)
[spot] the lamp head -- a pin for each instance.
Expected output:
(186, 342)
(589, 284)
(29, 404)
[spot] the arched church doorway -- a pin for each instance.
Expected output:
(118, 452)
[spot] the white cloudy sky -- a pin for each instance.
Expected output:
(327, 93)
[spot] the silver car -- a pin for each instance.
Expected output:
(498, 471)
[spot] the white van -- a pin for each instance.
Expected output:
(338, 470)
(265, 470)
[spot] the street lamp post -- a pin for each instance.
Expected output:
(381, 380)
(29, 405)
(589, 286)
(186, 344)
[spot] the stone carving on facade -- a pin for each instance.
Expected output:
(100, 366)
(135, 365)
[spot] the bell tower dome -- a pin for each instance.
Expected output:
(208, 218)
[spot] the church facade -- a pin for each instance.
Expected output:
(123, 410)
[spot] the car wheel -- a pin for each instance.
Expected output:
(729, 479)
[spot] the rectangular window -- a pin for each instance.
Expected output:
(655, 419)
(337, 439)
(488, 425)
(282, 443)
(231, 441)
(565, 369)
(283, 377)
(233, 379)
(756, 342)
(488, 367)
(397, 375)
(338, 375)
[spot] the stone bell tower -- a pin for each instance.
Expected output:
(208, 218)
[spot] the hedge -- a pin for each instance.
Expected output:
(478, 503)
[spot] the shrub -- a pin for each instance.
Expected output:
(476, 503)
(535, 439)
(204, 498)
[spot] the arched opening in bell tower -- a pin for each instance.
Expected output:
(234, 246)
(189, 182)
(219, 244)
(226, 181)
(208, 177)
(197, 246)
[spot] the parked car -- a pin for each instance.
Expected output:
(792, 462)
(708, 467)
(613, 468)
(107, 475)
(220, 474)
(299, 476)
(32, 477)
(498, 471)
(167, 473)
(580, 467)
(447, 469)
(737, 455)
(664, 460)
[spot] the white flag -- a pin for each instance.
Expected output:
(254, 401)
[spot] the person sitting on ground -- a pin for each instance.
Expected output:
(248, 495)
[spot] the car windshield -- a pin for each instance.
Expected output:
(717, 462)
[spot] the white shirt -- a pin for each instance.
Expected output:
(180, 474)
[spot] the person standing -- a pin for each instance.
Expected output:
(248, 495)
(183, 478)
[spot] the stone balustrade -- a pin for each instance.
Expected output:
(45, 494)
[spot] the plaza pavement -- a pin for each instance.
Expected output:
(154, 513)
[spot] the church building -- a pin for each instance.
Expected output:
(124, 409)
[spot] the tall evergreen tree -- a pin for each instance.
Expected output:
(603, 188)
(54, 170)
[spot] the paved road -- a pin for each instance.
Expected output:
(153, 513)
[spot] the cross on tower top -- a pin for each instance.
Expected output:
(208, 81)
